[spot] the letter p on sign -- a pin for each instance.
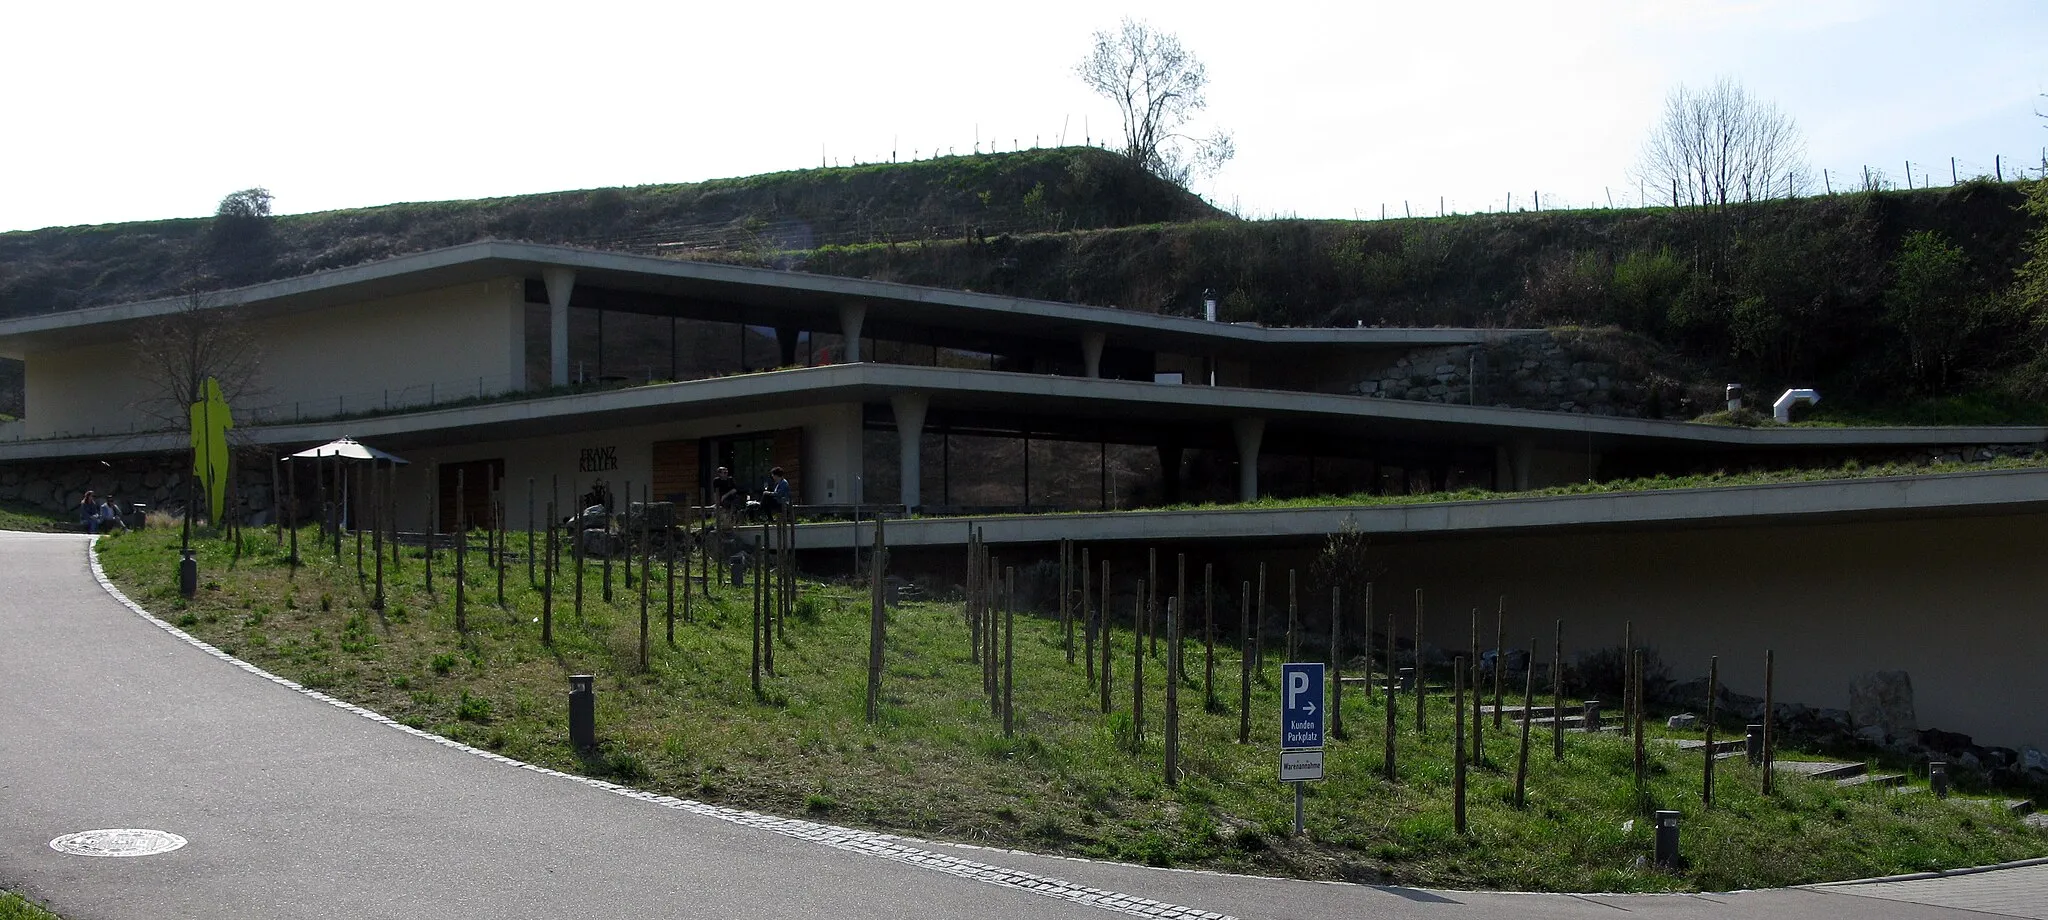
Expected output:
(1297, 684)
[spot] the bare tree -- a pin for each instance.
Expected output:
(176, 352)
(1157, 87)
(1720, 145)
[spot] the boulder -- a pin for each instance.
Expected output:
(1682, 722)
(1881, 707)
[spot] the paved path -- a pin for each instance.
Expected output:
(297, 807)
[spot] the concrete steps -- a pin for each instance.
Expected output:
(1722, 747)
(1881, 780)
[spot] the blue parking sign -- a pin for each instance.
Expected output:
(1301, 706)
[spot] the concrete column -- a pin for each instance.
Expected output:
(1092, 341)
(785, 339)
(851, 317)
(561, 282)
(910, 409)
(1524, 458)
(1250, 432)
(1169, 471)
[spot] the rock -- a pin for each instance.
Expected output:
(1682, 722)
(1445, 368)
(1935, 739)
(1439, 390)
(1883, 701)
(2031, 758)
(1368, 388)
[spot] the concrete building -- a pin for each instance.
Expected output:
(513, 367)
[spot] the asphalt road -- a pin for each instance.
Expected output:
(296, 807)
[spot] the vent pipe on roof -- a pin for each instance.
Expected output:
(1783, 407)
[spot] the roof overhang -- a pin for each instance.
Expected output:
(1120, 411)
(758, 296)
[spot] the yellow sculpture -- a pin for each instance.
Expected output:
(210, 424)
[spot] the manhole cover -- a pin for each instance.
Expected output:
(118, 841)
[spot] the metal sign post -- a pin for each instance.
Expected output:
(1302, 718)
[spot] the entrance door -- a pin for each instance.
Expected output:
(480, 480)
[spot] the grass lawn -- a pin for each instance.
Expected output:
(1071, 780)
(17, 516)
(16, 907)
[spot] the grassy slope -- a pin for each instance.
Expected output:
(16, 516)
(15, 907)
(938, 765)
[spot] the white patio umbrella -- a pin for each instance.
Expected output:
(347, 449)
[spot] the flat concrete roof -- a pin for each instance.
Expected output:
(769, 297)
(1121, 411)
(1991, 492)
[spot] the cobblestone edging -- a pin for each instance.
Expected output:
(868, 843)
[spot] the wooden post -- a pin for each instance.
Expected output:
(547, 586)
(1421, 681)
(1770, 703)
(644, 550)
(1150, 593)
(292, 475)
(1180, 594)
(1458, 771)
(461, 554)
(991, 634)
(1500, 654)
(1522, 758)
(973, 604)
(391, 521)
(1628, 646)
(1713, 691)
(377, 537)
(1478, 730)
(1641, 756)
(1138, 671)
(355, 491)
(576, 554)
(668, 574)
(607, 561)
(1009, 648)
(501, 544)
(1258, 630)
(1293, 616)
(1088, 624)
(532, 579)
(1173, 691)
(754, 627)
(1393, 698)
(1102, 614)
(762, 600)
(277, 497)
(1209, 635)
(1336, 663)
(876, 619)
(689, 534)
(1244, 676)
(1067, 596)
(1557, 694)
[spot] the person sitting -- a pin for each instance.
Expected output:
(110, 516)
(726, 497)
(89, 513)
(775, 497)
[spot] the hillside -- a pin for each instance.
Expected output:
(1776, 293)
(64, 268)
(1772, 294)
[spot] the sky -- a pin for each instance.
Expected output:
(122, 111)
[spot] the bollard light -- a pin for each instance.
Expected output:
(582, 711)
(1937, 778)
(1667, 839)
(188, 574)
(1753, 743)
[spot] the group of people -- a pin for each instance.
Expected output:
(732, 501)
(95, 515)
